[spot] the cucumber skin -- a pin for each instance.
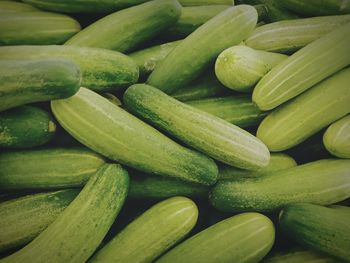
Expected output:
(138, 145)
(323, 104)
(317, 227)
(205, 2)
(22, 219)
(102, 70)
(11, 6)
(47, 168)
(118, 32)
(322, 182)
(38, 125)
(38, 80)
(164, 224)
(250, 243)
(205, 132)
(80, 228)
(184, 63)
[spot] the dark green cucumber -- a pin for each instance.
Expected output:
(126, 29)
(276, 12)
(28, 81)
(80, 228)
(321, 182)
(163, 225)
(47, 168)
(11, 6)
(324, 229)
(102, 70)
(115, 133)
(194, 54)
(246, 237)
(205, 132)
(206, 2)
(25, 127)
(24, 218)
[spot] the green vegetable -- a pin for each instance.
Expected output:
(11, 7)
(206, 2)
(277, 12)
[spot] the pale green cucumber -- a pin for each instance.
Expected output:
(11, 6)
(206, 2)
(307, 114)
(115, 133)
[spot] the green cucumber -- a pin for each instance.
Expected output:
(240, 68)
(80, 228)
(102, 70)
(206, 2)
(324, 229)
(294, 122)
(24, 218)
(205, 132)
(291, 35)
(25, 127)
(321, 182)
(276, 12)
(126, 29)
(238, 110)
(194, 54)
(336, 139)
(36, 28)
(11, 6)
(28, 81)
(246, 237)
(115, 133)
(47, 168)
(164, 224)
(303, 69)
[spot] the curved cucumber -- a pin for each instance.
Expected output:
(205, 132)
(47, 168)
(22, 219)
(80, 228)
(206, 2)
(246, 237)
(25, 126)
(164, 224)
(115, 133)
(11, 6)
(322, 182)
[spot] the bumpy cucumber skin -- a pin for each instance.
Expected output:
(163, 225)
(22, 219)
(102, 70)
(317, 227)
(125, 29)
(205, 132)
(184, 63)
(47, 168)
(336, 139)
(246, 237)
(115, 133)
(11, 6)
(80, 228)
(321, 182)
(294, 122)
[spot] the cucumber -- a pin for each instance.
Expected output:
(324, 229)
(36, 28)
(277, 12)
(115, 133)
(238, 110)
(102, 70)
(80, 228)
(194, 54)
(205, 132)
(337, 138)
(206, 2)
(128, 28)
(25, 127)
(291, 35)
(28, 81)
(24, 218)
(307, 114)
(321, 182)
(240, 68)
(47, 168)
(14, 7)
(164, 224)
(303, 69)
(246, 237)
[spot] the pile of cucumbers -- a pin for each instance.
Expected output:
(139, 131)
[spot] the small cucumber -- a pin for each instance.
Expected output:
(246, 237)
(164, 224)
(14, 7)
(321, 182)
(206, 2)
